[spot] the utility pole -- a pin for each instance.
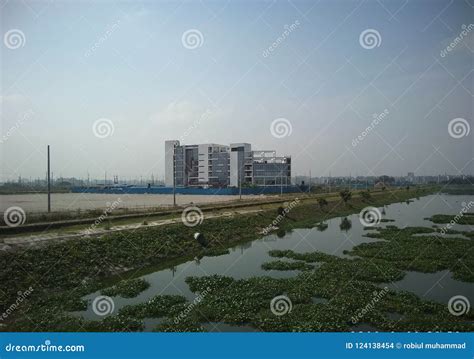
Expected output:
(309, 184)
(281, 183)
(174, 175)
(240, 187)
(49, 183)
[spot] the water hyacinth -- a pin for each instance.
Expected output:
(127, 288)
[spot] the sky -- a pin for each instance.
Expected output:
(344, 87)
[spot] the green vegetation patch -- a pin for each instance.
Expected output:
(249, 301)
(157, 307)
(466, 218)
(127, 288)
(282, 265)
(306, 257)
(428, 253)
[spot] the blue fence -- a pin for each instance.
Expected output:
(187, 190)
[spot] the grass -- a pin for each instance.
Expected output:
(282, 265)
(62, 272)
(127, 288)
(402, 249)
(156, 307)
(466, 218)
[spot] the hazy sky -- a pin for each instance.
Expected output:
(67, 64)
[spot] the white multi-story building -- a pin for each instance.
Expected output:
(217, 165)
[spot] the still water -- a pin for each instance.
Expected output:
(245, 260)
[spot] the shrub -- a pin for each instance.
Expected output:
(346, 195)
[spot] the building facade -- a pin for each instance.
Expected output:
(214, 165)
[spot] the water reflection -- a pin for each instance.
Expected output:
(439, 286)
(245, 260)
(346, 224)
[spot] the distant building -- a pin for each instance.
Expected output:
(217, 165)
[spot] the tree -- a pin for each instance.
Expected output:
(346, 195)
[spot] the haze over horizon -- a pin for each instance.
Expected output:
(223, 72)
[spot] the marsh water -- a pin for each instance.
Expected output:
(244, 261)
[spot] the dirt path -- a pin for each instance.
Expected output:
(13, 243)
